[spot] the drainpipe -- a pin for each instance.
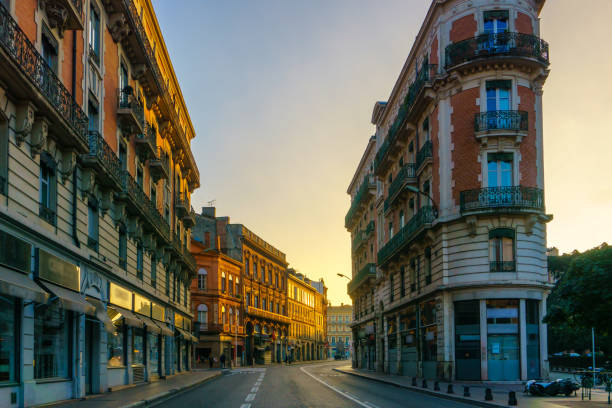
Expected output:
(74, 173)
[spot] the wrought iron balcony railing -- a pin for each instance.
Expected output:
(495, 45)
(23, 53)
(426, 152)
(267, 315)
(514, 198)
(362, 194)
(426, 74)
(103, 159)
(130, 111)
(181, 204)
(502, 266)
(47, 214)
(189, 219)
(368, 271)
(423, 218)
(159, 165)
(406, 175)
(501, 120)
(146, 142)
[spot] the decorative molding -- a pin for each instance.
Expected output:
(67, 164)
(57, 15)
(88, 182)
(118, 26)
(530, 222)
(25, 121)
(471, 222)
(119, 214)
(38, 135)
(134, 228)
(105, 199)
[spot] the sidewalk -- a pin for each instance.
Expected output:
(145, 394)
(477, 392)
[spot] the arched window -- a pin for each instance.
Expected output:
(223, 314)
(202, 275)
(223, 281)
(203, 314)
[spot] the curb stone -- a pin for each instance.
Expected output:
(425, 391)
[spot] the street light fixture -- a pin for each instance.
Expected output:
(433, 202)
(343, 276)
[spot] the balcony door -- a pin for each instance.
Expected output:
(498, 104)
(495, 25)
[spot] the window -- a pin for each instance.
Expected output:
(223, 281)
(390, 230)
(264, 303)
(256, 302)
(427, 191)
(185, 294)
(223, 314)
(47, 189)
(167, 283)
(246, 266)
(139, 261)
(248, 299)
(9, 330)
(137, 346)
(93, 112)
(334, 340)
(139, 176)
(231, 285)
(402, 283)
(123, 155)
(49, 48)
(92, 223)
(202, 276)
(495, 21)
(391, 288)
(231, 316)
(501, 247)
(114, 343)
(401, 218)
(271, 306)
(276, 280)
(498, 97)
(237, 286)
(270, 276)
(499, 171)
(122, 248)
(94, 35)
(255, 274)
(51, 341)
(426, 133)
(427, 266)
(413, 274)
(153, 271)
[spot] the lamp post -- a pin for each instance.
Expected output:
(433, 202)
(343, 276)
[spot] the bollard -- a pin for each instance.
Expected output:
(488, 395)
(466, 391)
(449, 390)
(414, 381)
(436, 386)
(424, 383)
(512, 398)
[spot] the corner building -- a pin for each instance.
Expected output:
(462, 279)
(303, 299)
(96, 173)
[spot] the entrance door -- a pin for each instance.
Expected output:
(503, 356)
(88, 361)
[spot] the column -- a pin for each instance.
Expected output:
(386, 345)
(544, 368)
(484, 369)
(162, 356)
(78, 387)
(523, 339)
(128, 354)
(27, 393)
(399, 344)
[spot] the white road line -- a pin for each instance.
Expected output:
(344, 394)
(250, 397)
(245, 406)
(257, 384)
(371, 405)
(255, 389)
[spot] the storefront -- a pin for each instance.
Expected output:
(409, 354)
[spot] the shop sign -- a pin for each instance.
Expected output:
(56, 270)
(178, 320)
(158, 312)
(120, 296)
(14, 252)
(142, 305)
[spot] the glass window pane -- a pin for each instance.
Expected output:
(115, 350)
(8, 335)
(51, 341)
(138, 346)
(508, 249)
(504, 99)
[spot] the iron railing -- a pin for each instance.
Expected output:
(497, 44)
(362, 193)
(424, 153)
(513, 197)
(502, 266)
(16, 44)
(160, 164)
(368, 271)
(102, 152)
(501, 120)
(426, 74)
(127, 100)
(47, 214)
(424, 217)
(78, 5)
(407, 172)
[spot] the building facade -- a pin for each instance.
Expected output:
(320, 310)
(461, 281)
(340, 332)
(96, 173)
(305, 334)
(216, 302)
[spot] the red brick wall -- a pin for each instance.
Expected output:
(463, 28)
(24, 11)
(528, 151)
(465, 147)
(435, 142)
(523, 24)
(433, 53)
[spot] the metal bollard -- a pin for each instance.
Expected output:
(414, 381)
(488, 395)
(512, 398)
(466, 391)
(424, 383)
(436, 386)
(449, 390)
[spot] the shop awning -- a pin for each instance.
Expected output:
(129, 317)
(166, 331)
(151, 326)
(187, 335)
(19, 285)
(102, 314)
(70, 300)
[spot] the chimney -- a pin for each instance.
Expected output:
(209, 212)
(218, 247)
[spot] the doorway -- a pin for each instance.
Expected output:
(89, 360)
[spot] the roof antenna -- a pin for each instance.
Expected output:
(211, 203)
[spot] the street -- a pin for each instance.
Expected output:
(310, 385)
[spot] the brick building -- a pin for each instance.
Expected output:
(458, 289)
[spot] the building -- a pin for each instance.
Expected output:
(305, 300)
(321, 304)
(339, 331)
(216, 297)
(96, 173)
(361, 221)
(263, 285)
(462, 282)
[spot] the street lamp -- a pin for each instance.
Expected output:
(433, 202)
(343, 276)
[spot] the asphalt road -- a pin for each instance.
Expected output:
(296, 386)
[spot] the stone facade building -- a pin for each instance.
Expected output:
(96, 173)
(339, 331)
(460, 284)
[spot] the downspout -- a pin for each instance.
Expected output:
(75, 236)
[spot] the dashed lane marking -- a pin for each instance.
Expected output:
(245, 406)
(344, 394)
(255, 389)
(250, 397)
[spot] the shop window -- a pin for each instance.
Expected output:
(47, 189)
(467, 340)
(202, 276)
(501, 250)
(9, 332)
(51, 341)
(50, 48)
(503, 340)
(153, 346)
(115, 343)
(93, 219)
(138, 346)
(532, 315)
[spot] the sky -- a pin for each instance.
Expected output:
(281, 94)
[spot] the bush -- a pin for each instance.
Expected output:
(577, 363)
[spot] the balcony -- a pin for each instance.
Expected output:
(366, 274)
(502, 266)
(130, 112)
(424, 155)
(417, 224)
(182, 254)
(502, 199)
(159, 165)
(264, 314)
(362, 237)
(366, 190)
(505, 46)
(27, 77)
(146, 143)
(189, 219)
(181, 204)
(420, 93)
(103, 160)
(407, 175)
(501, 123)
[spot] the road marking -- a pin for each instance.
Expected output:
(250, 397)
(245, 406)
(344, 394)
(371, 405)
(255, 389)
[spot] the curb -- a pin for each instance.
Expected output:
(457, 398)
(155, 399)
